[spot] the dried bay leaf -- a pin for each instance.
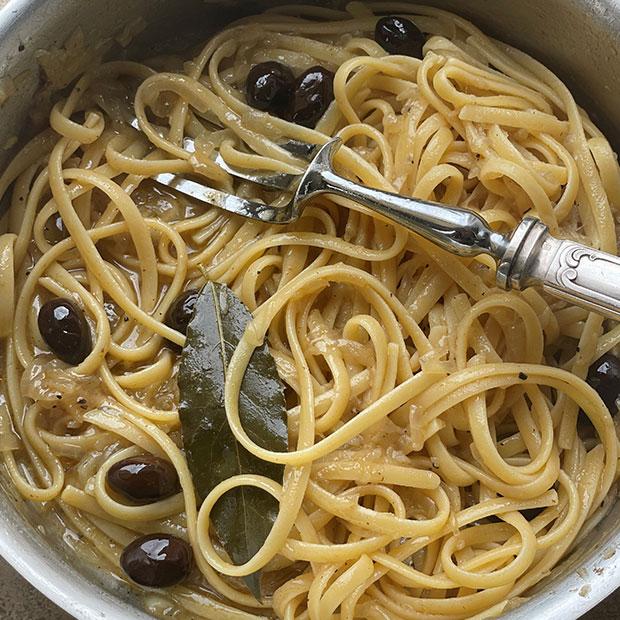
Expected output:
(243, 517)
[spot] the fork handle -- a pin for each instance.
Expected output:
(568, 270)
(531, 257)
(459, 231)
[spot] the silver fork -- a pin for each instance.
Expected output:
(530, 256)
(279, 181)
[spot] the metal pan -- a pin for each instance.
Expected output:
(579, 39)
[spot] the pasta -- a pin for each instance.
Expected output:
(439, 465)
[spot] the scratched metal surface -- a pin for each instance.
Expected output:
(19, 601)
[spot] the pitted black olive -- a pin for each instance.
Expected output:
(397, 35)
(64, 328)
(314, 91)
(143, 479)
(269, 87)
(181, 311)
(157, 560)
(604, 377)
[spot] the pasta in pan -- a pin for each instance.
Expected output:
(445, 450)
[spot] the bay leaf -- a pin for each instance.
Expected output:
(243, 517)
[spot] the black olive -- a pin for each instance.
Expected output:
(314, 91)
(157, 560)
(397, 35)
(269, 87)
(604, 377)
(528, 513)
(181, 311)
(531, 513)
(55, 230)
(143, 479)
(65, 330)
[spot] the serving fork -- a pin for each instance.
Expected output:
(531, 256)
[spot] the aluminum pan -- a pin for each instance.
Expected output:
(579, 39)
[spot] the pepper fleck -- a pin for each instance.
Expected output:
(522, 376)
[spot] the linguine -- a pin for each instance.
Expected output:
(429, 413)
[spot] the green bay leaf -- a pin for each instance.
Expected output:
(243, 517)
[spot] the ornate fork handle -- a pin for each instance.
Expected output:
(569, 270)
(530, 257)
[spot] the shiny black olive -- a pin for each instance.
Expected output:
(157, 560)
(604, 377)
(143, 479)
(314, 91)
(397, 35)
(269, 87)
(55, 230)
(64, 328)
(181, 311)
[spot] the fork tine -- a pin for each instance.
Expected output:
(229, 202)
(300, 149)
(294, 147)
(279, 181)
